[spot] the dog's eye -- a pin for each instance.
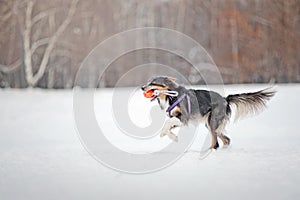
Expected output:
(157, 84)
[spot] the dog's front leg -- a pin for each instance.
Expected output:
(169, 124)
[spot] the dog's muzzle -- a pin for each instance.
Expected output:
(143, 87)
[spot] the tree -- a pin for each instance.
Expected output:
(30, 44)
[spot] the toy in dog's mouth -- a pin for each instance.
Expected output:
(153, 94)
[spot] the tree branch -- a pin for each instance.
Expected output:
(39, 43)
(53, 41)
(43, 14)
(10, 68)
(45, 41)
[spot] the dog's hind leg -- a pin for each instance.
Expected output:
(225, 139)
(214, 141)
(220, 132)
(216, 122)
(170, 124)
(214, 138)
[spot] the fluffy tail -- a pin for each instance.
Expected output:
(249, 103)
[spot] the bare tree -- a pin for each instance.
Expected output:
(29, 48)
(33, 40)
(8, 23)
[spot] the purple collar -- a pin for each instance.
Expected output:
(178, 101)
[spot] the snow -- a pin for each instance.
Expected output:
(41, 156)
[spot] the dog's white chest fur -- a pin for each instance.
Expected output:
(163, 104)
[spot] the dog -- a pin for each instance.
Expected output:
(189, 105)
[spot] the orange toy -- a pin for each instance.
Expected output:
(149, 93)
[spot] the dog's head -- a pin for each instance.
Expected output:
(160, 83)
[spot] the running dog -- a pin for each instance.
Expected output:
(185, 105)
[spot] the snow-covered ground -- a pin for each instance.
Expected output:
(41, 156)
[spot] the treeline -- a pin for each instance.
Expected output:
(42, 44)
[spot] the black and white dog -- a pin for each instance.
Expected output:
(186, 105)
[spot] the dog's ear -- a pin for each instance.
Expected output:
(171, 79)
(171, 82)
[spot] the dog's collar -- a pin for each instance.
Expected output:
(185, 95)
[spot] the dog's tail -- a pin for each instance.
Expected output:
(249, 103)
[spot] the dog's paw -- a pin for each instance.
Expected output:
(163, 134)
(173, 137)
